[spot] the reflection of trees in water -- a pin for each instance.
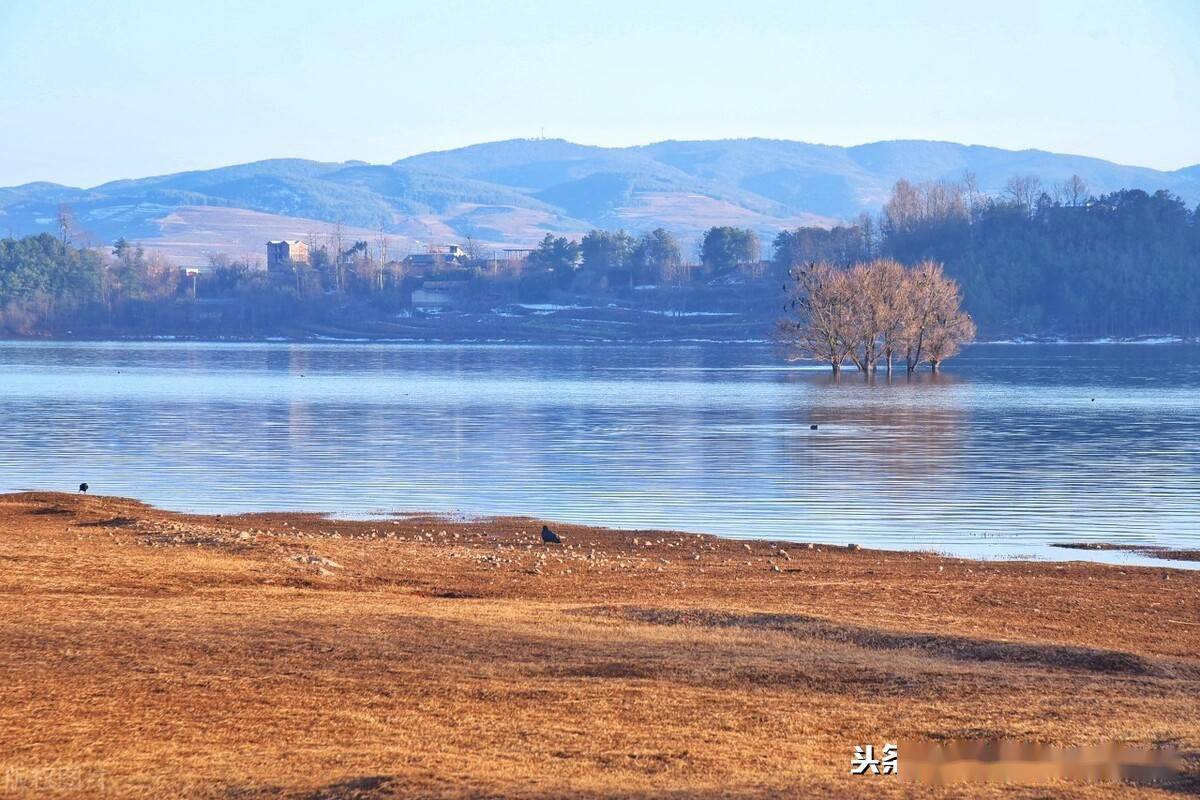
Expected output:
(852, 378)
(292, 360)
(901, 431)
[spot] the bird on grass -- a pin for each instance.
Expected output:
(83, 488)
(549, 536)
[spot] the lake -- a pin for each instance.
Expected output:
(1013, 448)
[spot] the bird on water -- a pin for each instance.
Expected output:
(83, 488)
(549, 536)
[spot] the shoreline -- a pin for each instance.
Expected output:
(547, 338)
(1177, 554)
(1111, 554)
(286, 654)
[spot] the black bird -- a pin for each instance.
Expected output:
(83, 487)
(549, 536)
(812, 427)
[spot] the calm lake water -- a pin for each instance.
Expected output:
(1002, 456)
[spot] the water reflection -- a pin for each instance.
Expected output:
(1002, 454)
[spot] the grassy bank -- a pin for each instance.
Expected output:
(145, 653)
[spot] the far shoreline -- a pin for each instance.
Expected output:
(354, 338)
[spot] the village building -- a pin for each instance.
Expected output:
(283, 254)
(436, 259)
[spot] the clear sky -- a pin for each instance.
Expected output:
(99, 90)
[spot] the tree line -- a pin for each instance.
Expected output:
(651, 258)
(1030, 260)
(1051, 261)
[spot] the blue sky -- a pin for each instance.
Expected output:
(94, 91)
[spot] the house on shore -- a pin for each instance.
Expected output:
(283, 254)
(436, 259)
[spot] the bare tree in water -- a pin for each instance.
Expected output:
(818, 315)
(873, 311)
(935, 326)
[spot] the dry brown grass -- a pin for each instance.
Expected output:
(150, 654)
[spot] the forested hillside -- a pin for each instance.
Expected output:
(510, 192)
(1125, 263)
(1057, 262)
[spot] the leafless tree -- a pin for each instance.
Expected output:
(337, 242)
(874, 311)
(880, 284)
(361, 270)
(970, 186)
(66, 223)
(474, 250)
(1023, 190)
(936, 326)
(951, 328)
(943, 199)
(911, 205)
(1072, 192)
(902, 212)
(383, 251)
(818, 315)
(869, 230)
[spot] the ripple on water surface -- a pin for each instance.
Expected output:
(1015, 448)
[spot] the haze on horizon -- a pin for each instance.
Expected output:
(132, 90)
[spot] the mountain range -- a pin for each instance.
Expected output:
(510, 193)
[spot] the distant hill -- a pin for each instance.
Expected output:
(513, 191)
